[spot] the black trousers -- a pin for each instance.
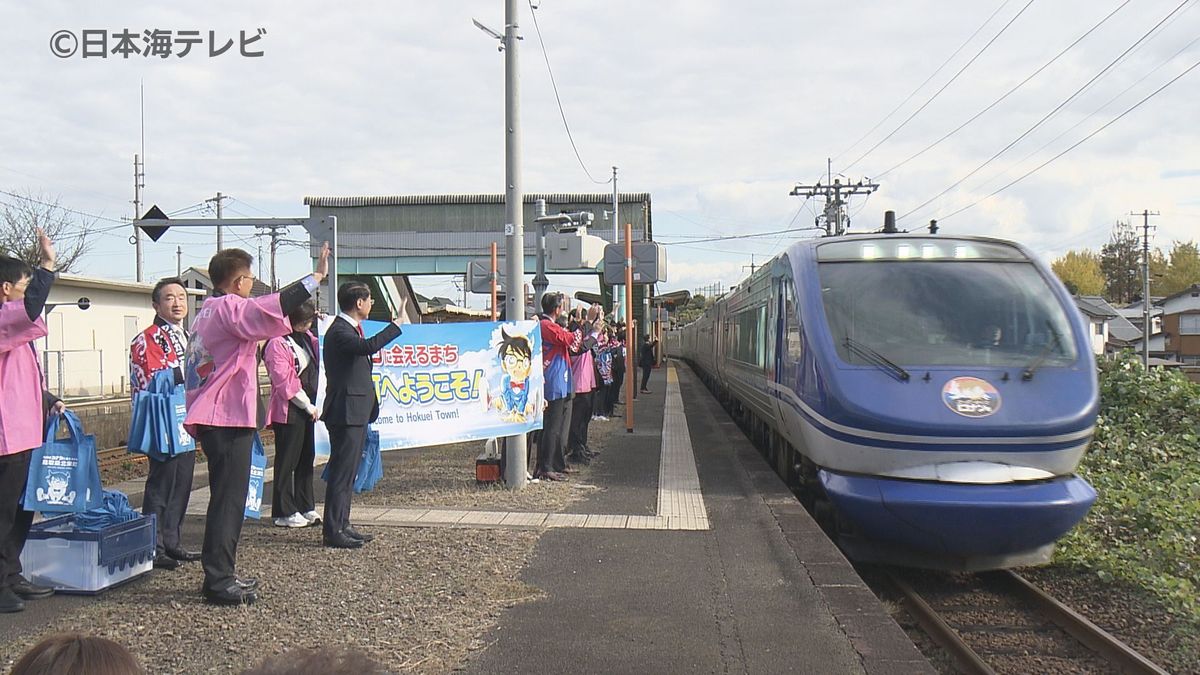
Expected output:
(295, 451)
(581, 415)
(551, 443)
(14, 519)
(345, 452)
(618, 381)
(168, 488)
(600, 404)
(646, 376)
(558, 461)
(228, 450)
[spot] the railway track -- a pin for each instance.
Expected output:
(998, 622)
(115, 457)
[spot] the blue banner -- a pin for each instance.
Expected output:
(453, 382)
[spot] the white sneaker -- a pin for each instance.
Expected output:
(294, 520)
(312, 517)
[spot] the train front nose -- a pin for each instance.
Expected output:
(960, 521)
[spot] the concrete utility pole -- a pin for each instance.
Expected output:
(1147, 327)
(178, 261)
(220, 234)
(616, 292)
(514, 215)
(834, 216)
(752, 266)
(139, 179)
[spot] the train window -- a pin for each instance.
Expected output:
(931, 248)
(961, 313)
(791, 325)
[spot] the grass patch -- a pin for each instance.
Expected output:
(1145, 465)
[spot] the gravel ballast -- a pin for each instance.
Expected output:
(414, 599)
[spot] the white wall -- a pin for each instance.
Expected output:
(101, 336)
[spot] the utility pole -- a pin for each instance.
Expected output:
(752, 266)
(178, 261)
(139, 178)
(220, 234)
(1147, 328)
(616, 204)
(835, 192)
(514, 215)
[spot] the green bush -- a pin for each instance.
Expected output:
(1145, 464)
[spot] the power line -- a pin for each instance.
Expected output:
(1080, 141)
(922, 85)
(59, 206)
(1008, 93)
(943, 88)
(740, 236)
(1048, 115)
(546, 56)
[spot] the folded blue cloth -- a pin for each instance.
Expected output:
(113, 509)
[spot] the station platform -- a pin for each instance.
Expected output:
(687, 555)
(734, 577)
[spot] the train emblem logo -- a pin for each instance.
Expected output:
(971, 397)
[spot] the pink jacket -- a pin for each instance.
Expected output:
(285, 381)
(20, 380)
(583, 373)
(222, 372)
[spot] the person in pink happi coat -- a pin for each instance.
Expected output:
(23, 293)
(222, 402)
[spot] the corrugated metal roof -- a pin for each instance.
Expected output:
(440, 200)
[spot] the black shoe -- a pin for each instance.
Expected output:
(165, 562)
(355, 534)
(10, 602)
(30, 591)
(248, 583)
(233, 595)
(579, 458)
(342, 541)
(183, 555)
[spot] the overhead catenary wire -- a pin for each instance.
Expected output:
(1077, 143)
(558, 100)
(943, 87)
(1048, 115)
(922, 85)
(1004, 96)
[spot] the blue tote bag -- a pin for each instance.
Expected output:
(174, 413)
(370, 465)
(258, 474)
(64, 476)
(141, 430)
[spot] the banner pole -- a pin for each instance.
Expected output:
(494, 309)
(630, 345)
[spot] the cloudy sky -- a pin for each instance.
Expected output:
(715, 108)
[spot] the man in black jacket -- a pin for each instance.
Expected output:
(350, 404)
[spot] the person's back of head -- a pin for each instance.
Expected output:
(77, 654)
(325, 661)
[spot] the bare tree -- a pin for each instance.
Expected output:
(20, 218)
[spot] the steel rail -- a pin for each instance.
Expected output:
(941, 632)
(1079, 627)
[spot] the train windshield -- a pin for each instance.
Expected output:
(945, 313)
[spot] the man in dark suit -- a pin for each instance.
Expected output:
(350, 404)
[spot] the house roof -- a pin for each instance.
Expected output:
(1190, 290)
(1094, 305)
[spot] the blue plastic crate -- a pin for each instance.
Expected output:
(58, 555)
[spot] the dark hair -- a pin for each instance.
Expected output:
(350, 293)
(227, 263)
(13, 270)
(325, 661)
(307, 311)
(551, 302)
(77, 654)
(518, 344)
(155, 295)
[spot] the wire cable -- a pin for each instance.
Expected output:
(943, 87)
(922, 85)
(1008, 93)
(1128, 110)
(546, 56)
(739, 236)
(59, 206)
(1048, 115)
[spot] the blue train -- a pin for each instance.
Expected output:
(929, 397)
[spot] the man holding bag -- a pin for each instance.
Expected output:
(23, 293)
(169, 485)
(222, 402)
